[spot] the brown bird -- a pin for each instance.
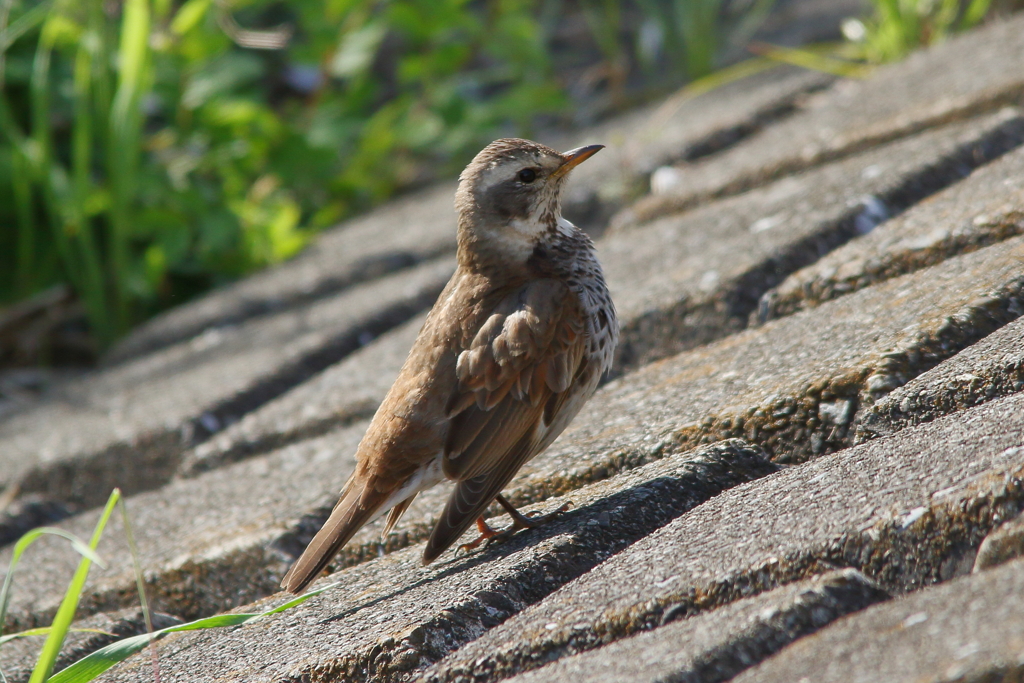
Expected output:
(513, 348)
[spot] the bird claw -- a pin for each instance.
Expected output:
(530, 520)
(534, 519)
(467, 548)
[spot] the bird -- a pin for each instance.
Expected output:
(516, 343)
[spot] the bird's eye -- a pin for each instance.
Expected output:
(527, 175)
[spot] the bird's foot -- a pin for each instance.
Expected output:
(486, 534)
(531, 520)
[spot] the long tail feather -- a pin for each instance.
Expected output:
(467, 502)
(358, 506)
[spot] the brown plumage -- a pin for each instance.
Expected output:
(513, 348)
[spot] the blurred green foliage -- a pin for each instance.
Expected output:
(150, 149)
(898, 27)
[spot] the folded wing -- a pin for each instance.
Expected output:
(513, 381)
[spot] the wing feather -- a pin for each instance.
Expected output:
(513, 380)
(472, 496)
(529, 348)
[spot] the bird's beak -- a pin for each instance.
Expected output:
(575, 157)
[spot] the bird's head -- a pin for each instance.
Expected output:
(510, 194)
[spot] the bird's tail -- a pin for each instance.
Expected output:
(472, 496)
(468, 501)
(358, 505)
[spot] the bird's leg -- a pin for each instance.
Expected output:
(530, 521)
(486, 533)
(519, 521)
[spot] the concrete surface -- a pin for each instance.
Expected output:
(711, 647)
(795, 384)
(693, 277)
(970, 629)
(127, 425)
(797, 403)
(421, 613)
(990, 368)
(678, 282)
(955, 79)
(1003, 544)
(908, 511)
(985, 208)
(876, 424)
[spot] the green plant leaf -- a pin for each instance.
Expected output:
(23, 24)
(975, 12)
(357, 49)
(68, 606)
(812, 59)
(22, 545)
(190, 14)
(91, 666)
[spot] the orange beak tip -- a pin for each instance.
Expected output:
(574, 157)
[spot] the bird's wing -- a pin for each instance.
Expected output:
(513, 377)
(512, 382)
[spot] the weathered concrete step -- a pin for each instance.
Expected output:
(421, 225)
(691, 278)
(958, 78)
(93, 457)
(966, 630)
(22, 515)
(125, 426)
(908, 510)
(1001, 545)
(211, 543)
(678, 282)
(18, 657)
(679, 128)
(391, 615)
(403, 233)
(205, 545)
(798, 381)
(793, 385)
(711, 647)
(345, 392)
(991, 368)
(985, 208)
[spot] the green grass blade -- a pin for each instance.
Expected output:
(101, 62)
(810, 59)
(975, 12)
(21, 186)
(93, 286)
(91, 666)
(47, 170)
(190, 14)
(751, 21)
(23, 24)
(11, 131)
(68, 606)
(140, 583)
(19, 549)
(22, 545)
(124, 143)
